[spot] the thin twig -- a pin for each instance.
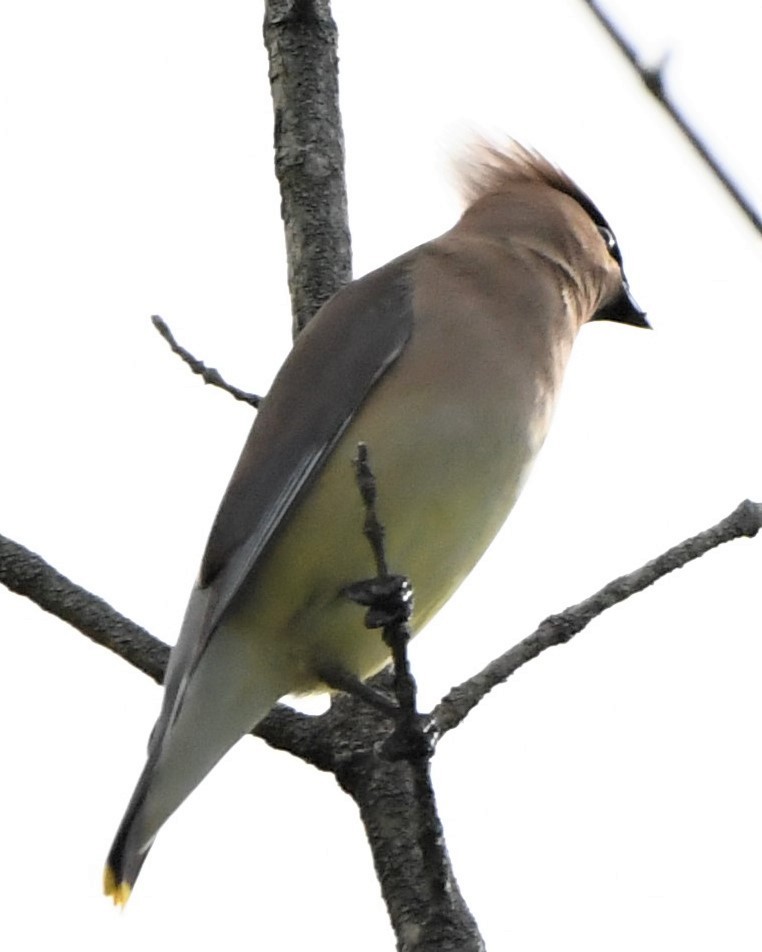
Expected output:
(390, 598)
(653, 79)
(372, 528)
(746, 520)
(208, 374)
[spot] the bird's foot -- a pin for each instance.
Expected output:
(389, 600)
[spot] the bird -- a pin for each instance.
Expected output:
(446, 363)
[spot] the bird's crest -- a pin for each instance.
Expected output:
(486, 169)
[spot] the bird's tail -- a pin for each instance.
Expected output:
(131, 844)
(223, 701)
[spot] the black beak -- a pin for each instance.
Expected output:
(623, 309)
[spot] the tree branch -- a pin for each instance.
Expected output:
(746, 521)
(301, 40)
(25, 573)
(399, 815)
(653, 80)
(208, 374)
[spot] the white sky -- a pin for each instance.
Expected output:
(608, 796)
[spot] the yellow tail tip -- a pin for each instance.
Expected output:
(119, 892)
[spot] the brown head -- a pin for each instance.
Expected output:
(517, 194)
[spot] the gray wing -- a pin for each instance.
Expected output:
(349, 344)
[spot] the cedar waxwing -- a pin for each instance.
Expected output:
(447, 363)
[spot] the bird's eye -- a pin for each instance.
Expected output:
(608, 236)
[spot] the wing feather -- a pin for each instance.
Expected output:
(350, 343)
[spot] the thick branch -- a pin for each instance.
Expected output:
(301, 41)
(421, 894)
(653, 79)
(746, 520)
(399, 814)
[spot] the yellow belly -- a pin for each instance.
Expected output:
(446, 480)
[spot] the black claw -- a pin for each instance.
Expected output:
(389, 600)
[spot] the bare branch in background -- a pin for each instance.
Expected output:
(653, 79)
(208, 374)
(746, 521)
